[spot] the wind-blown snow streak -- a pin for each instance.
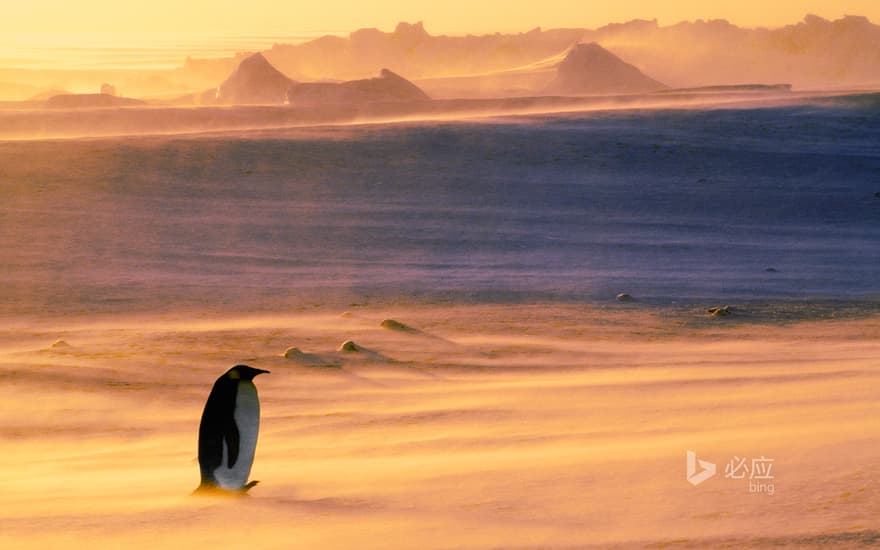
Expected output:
(498, 426)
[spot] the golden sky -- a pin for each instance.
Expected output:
(447, 17)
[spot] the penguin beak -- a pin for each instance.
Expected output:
(261, 371)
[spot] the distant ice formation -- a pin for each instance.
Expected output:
(254, 81)
(86, 101)
(388, 86)
(591, 69)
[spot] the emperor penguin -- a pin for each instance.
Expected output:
(228, 431)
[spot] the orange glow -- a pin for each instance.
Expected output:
(452, 17)
(532, 442)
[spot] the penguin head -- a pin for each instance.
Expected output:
(243, 372)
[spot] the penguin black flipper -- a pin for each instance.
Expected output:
(213, 428)
(232, 438)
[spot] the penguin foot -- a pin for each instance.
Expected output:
(249, 486)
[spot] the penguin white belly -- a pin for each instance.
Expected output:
(247, 418)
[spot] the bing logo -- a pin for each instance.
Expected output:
(694, 477)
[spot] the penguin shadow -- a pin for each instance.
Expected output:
(214, 491)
